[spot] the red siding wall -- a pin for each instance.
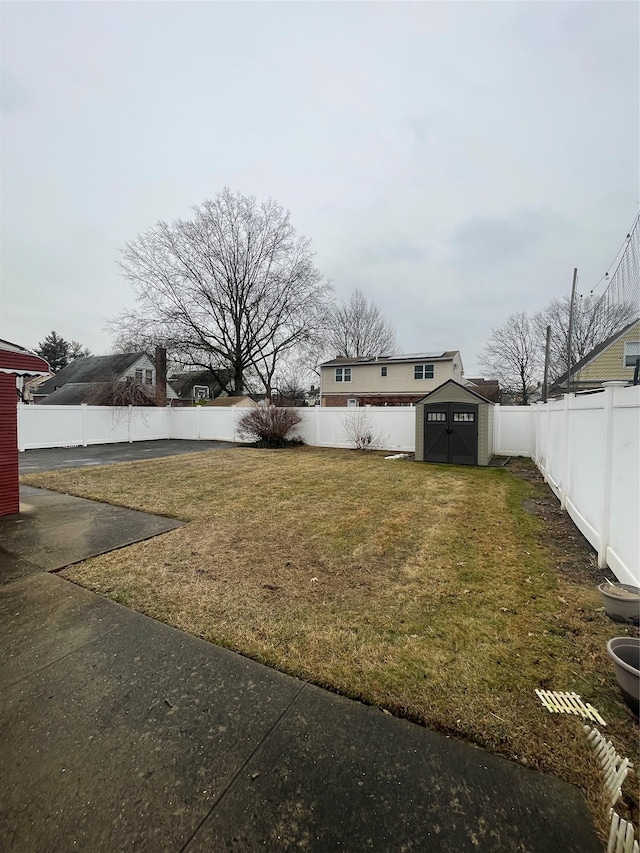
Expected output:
(9, 487)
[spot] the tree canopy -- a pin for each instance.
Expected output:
(513, 357)
(232, 288)
(59, 352)
(358, 328)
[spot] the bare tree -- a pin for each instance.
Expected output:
(593, 323)
(513, 357)
(120, 393)
(77, 350)
(232, 288)
(358, 328)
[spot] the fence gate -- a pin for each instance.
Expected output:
(451, 433)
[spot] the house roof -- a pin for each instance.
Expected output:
(458, 385)
(595, 352)
(74, 393)
(340, 360)
(19, 361)
(92, 368)
(229, 401)
(185, 380)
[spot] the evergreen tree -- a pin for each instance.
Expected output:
(55, 350)
(59, 352)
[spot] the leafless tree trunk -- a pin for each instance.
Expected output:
(233, 287)
(358, 328)
(513, 356)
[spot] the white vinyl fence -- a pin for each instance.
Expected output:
(586, 446)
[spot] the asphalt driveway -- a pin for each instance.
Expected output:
(50, 458)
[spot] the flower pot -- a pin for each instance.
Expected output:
(625, 654)
(621, 601)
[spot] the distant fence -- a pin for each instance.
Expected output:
(586, 446)
(392, 428)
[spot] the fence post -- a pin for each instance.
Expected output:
(198, 416)
(497, 449)
(129, 423)
(547, 441)
(84, 424)
(316, 431)
(20, 442)
(566, 450)
(609, 391)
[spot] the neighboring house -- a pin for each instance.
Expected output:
(193, 385)
(312, 396)
(87, 376)
(233, 402)
(487, 388)
(389, 380)
(31, 385)
(614, 359)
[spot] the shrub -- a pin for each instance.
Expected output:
(269, 425)
(359, 431)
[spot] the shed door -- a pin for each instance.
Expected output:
(451, 433)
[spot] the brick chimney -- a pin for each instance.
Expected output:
(161, 376)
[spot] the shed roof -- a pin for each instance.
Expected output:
(230, 401)
(457, 385)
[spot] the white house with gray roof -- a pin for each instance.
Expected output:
(77, 382)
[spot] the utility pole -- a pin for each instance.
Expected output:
(570, 335)
(545, 384)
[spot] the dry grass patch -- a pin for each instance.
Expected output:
(426, 590)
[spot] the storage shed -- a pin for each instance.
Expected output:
(14, 361)
(454, 424)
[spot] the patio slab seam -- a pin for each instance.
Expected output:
(232, 781)
(79, 648)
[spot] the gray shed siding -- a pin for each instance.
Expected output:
(450, 393)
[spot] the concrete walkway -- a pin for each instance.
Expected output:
(53, 530)
(118, 732)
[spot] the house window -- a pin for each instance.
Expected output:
(383, 370)
(631, 353)
(352, 403)
(437, 416)
(343, 374)
(138, 374)
(148, 377)
(423, 371)
(464, 417)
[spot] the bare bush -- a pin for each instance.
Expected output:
(359, 430)
(122, 393)
(269, 425)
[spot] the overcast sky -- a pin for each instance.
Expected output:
(454, 161)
